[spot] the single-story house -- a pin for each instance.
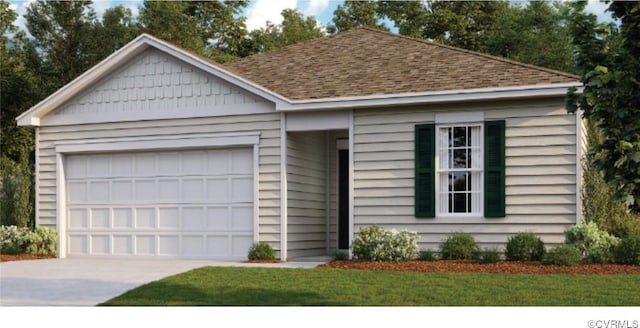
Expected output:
(157, 152)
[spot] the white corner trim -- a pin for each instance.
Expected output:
(180, 141)
(283, 188)
(256, 193)
(579, 126)
(459, 117)
(37, 176)
(61, 206)
(327, 191)
(351, 177)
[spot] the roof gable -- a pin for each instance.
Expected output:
(365, 62)
(91, 86)
(155, 85)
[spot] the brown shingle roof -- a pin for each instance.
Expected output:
(365, 62)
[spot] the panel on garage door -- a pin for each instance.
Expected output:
(193, 204)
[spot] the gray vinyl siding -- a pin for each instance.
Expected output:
(540, 171)
(269, 148)
(306, 181)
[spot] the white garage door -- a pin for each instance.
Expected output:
(192, 204)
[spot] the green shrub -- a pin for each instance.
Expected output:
(490, 256)
(261, 251)
(42, 241)
(628, 251)
(341, 256)
(13, 239)
(598, 204)
(566, 255)
(459, 246)
(376, 244)
(595, 245)
(524, 246)
(22, 240)
(426, 255)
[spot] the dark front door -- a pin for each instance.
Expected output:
(343, 199)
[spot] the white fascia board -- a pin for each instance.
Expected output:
(32, 116)
(528, 91)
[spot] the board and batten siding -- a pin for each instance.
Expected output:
(540, 171)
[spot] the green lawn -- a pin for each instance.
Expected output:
(322, 286)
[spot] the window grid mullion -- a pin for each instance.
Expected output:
(472, 169)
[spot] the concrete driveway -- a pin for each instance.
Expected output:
(87, 282)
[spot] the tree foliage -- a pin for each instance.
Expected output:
(354, 14)
(117, 28)
(17, 92)
(63, 33)
(536, 34)
(210, 28)
(293, 29)
(611, 75)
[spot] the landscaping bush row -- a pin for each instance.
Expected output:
(584, 243)
(22, 240)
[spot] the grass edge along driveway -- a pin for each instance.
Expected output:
(218, 286)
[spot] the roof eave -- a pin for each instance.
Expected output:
(462, 95)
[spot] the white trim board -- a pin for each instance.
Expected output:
(158, 114)
(317, 121)
(160, 143)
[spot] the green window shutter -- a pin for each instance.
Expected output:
(494, 177)
(425, 175)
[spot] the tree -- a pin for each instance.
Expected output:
(17, 93)
(63, 32)
(356, 13)
(169, 20)
(117, 28)
(461, 24)
(293, 29)
(611, 97)
(210, 28)
(408, 16)
(535, 34)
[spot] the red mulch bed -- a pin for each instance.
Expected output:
(21, 257)
(473, 266)
(262, 261)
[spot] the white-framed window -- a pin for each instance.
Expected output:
(459, 169)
